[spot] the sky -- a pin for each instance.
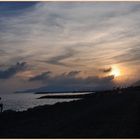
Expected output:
(68, 45)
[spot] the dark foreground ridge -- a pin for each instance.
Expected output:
(108, 114)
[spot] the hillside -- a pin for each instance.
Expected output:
(108, 114)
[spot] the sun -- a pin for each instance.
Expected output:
(115, 71)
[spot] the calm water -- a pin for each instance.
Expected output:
(21, 102)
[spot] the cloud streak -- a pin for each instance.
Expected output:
(62, 26)
(11, 71)
(57, 59)
(42, 76)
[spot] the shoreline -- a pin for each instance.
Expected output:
(108, 114)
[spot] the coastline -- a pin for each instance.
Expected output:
(111, 114)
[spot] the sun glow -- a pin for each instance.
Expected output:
(115, 71)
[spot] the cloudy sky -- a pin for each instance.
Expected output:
(68, 45)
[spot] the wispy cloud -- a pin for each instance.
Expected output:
(12, 70)
(67, 36)
(58, 60)
(47, 29)
(41, 77)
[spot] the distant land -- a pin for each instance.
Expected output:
(137, 83)
(67, 96)
(71, 91)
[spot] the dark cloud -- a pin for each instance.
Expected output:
(42, 76)
(57, 60)
(11, 71)
(14, 8)
(73, 73)
(70, 81)
(106, 70)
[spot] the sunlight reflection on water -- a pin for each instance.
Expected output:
(20, 102)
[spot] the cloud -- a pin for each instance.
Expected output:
(44, 29)
(41, 76)
(106, 70)
(57, 60)
(11, 71)
(70, 35)
(71, 81)
(72, 73)
(131, 55)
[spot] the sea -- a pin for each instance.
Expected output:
(24, 101)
